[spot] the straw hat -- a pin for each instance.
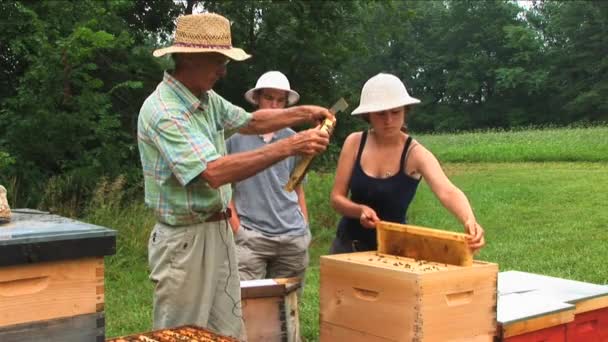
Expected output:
(382, 92)
(207, 32)
(274, 80)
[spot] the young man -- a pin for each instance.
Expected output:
(182, 128)
(271, 224)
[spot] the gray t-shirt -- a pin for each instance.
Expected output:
(261, 202)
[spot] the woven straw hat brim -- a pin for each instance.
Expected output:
(232, 53)
(384, 106)
(292, 96)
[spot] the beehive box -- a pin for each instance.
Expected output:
(370, 296)
(531, 317)
(590, 301)
(270, 310)
(51, 268)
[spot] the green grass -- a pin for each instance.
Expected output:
(542, 217)
(557, 144)
(547, 218)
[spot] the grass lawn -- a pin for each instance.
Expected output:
(588, 144)
(547, 218)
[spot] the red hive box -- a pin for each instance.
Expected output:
(590, 301)
(530, 317)
(589, 326)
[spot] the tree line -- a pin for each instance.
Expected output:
(73, 74)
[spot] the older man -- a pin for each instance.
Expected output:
(182, 128)
(271, 224)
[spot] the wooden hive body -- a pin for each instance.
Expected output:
(270, 310)
(52, 278)
(368, 296)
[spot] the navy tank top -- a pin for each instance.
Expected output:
(389, 197)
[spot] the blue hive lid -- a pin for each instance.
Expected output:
(35, 236)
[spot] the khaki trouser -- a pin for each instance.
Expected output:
(263, 256)
(196, 278)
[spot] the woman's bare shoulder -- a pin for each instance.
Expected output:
(352, 140)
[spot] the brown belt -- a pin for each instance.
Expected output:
(220, 216)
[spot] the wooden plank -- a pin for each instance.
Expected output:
(591, 304)
(536, 323)
(263, 319)
(89, 327)
(301, 168)
(331, 332)
(292, 317)
(45, 291)
(423, 243)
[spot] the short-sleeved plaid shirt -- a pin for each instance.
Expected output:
(178, 134)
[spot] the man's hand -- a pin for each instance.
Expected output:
(310, 142)
(476, 235)
(315, 114)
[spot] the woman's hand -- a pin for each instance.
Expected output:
(476, 235)
(368, 217)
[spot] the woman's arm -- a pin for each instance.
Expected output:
(424, 162)
(339, 200)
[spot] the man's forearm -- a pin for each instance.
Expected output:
(236, 167)
(270, 120)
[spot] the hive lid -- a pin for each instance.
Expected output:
(260, 288)
(515, 307)
(564, 290)
(36, 236)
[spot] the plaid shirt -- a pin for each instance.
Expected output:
(178, 134)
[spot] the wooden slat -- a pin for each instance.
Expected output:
(89, 327)
(263, 319)
(331, 332)
(301, 168)
(591, 304)
(49, 290)
(423, 243)
(537, 323)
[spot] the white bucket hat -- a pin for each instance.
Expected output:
(274, 80)
(382, 92)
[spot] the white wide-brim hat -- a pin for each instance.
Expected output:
(273, 80)
(383, 92)
(207, 32)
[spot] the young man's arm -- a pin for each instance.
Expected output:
(302, 202)
(236, 167)
(270, 120)
(234, 221)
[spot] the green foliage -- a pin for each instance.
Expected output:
(5, 160)
(73, 74)
(78, 82)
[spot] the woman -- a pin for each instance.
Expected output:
(382, 168)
